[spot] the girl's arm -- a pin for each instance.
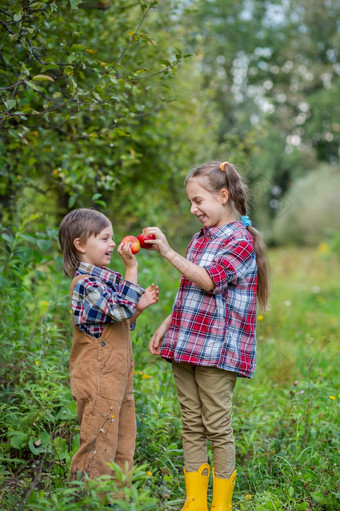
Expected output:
(191, 271)
(157, 338)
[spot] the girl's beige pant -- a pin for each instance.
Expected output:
(205, 396)
(101, 380)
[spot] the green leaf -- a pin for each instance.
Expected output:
(18, 439)
(43, 78)
(29, 238)
(96, 95)
(33, 85)
(7, 237)
(72, 201)
(74, 3)
(34, 449)
(44, 244)
(49, 66)
(10, 103)
(17, 16)
(302, 506)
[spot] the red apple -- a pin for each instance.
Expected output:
(143, 238)
(135, 245)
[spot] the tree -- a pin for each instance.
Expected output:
(82, 86)
(273, 69)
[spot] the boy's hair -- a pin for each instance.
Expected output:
(79, 223)
(214, 179)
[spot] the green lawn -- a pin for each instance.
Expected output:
(285, 419)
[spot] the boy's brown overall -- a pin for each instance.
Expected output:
(101, 379)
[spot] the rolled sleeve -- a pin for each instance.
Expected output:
(231, 265)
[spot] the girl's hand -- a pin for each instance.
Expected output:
(128, 257)
(160, 244)
(148, 298)
(157, 338)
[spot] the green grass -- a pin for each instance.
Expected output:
(285, 419)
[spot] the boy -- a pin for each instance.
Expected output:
(105, 307)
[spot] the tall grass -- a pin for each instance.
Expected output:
(285, 420)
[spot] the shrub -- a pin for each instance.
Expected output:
(312, 210)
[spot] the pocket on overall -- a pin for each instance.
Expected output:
(113, 371)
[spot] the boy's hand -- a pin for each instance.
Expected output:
(124, 250)
(148, 298)
(160, 244)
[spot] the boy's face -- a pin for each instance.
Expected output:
(97, 250)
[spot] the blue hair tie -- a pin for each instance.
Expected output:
(245, 220)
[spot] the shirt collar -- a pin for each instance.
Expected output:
(223, 231)
(103, 273)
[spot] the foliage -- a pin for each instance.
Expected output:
(313, 211)
(100, 106)
(87, 89)
(273, 68)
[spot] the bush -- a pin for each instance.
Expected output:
(312, 209)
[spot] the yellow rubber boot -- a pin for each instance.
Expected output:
(196, 486)
(223, 493)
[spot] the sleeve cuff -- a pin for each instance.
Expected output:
(219, 277)
(131, 292)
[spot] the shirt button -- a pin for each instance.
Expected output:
(102, 343)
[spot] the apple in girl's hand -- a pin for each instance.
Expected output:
(144, 237)
(135, 245)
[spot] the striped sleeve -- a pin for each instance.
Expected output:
(94, 302)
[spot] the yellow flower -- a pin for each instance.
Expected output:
(260, 317)
(149, 473)
(331, 397)
(44, 305)
(36, 362)
(112, 416)
(146, 376)
(248, 497)
(323, 248)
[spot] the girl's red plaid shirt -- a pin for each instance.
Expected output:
(217, 328)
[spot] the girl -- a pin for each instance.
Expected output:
(105, 306)
(210, 335)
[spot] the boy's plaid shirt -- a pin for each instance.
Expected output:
(102, 297)
(217, 328)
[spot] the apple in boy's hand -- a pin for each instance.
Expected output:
(144, 237)
(135, 245)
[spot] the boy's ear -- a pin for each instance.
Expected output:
(79, 245)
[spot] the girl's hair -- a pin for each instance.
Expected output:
(214, 179)
(79, 223)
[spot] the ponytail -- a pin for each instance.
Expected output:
(263, 285)
(224, 175)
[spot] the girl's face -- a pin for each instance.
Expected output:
(211, 209)
(97, 250)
